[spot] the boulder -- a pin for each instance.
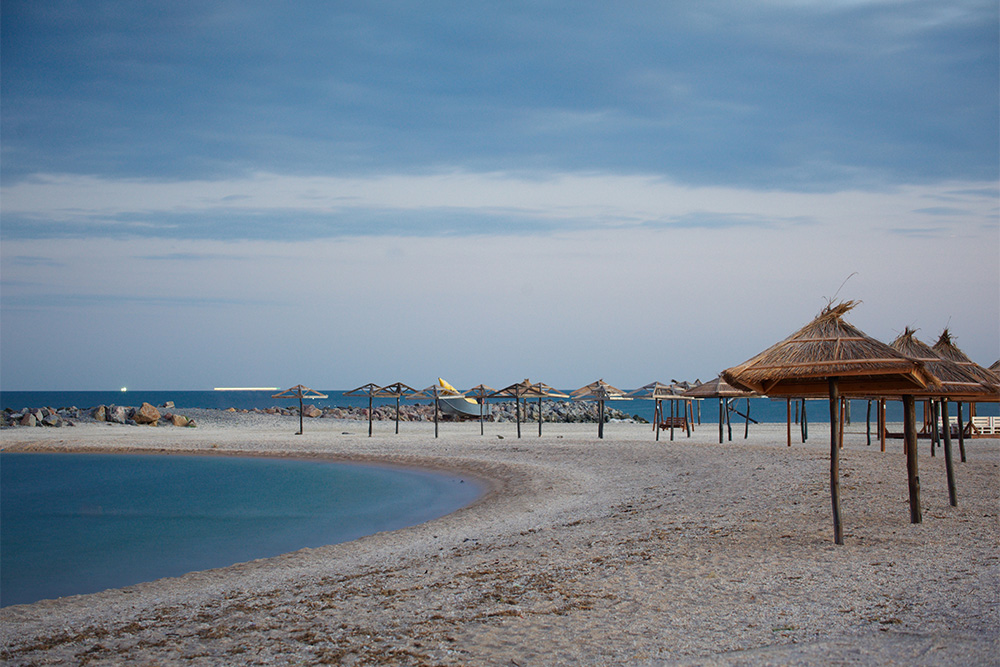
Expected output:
(146, 414)
(116, 414)
(52, 420)
(311, 411)
(28, 420)
(179, 420)
(100, 413)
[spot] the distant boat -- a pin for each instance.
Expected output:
(459, 406)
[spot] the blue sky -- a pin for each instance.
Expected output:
(198, 194)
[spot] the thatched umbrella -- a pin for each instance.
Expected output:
(722, 390)
(370, 390)
(599, 391)
(481, 392)
(516, 391)
(541, 390)
(953, 382)
(946, 349)
(657, 392)
(436, 391)
(300, 392)
(830, 356)
(395, 390)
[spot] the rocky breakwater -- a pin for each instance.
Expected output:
(561, 411)
(145, 414)
(500, 411)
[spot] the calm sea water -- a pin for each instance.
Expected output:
(761, 409)
(81, 523)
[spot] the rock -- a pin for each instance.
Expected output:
(168, 405)
(311, 411)
(52, 420)
(28, 420)
(116, 414)
(100, 413)
(180, 420)
(146, 414)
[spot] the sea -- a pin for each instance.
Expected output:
(81, 523)
(761, 410)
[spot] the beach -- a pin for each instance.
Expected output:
(623, 550)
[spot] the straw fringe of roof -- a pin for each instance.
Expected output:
(946, 349)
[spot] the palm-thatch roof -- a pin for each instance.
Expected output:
(946, 349)
(953, 380)
(829, 347)
(299, 391)
(598, 391)
(717, 388)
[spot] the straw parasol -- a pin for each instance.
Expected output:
(436, 391)
(599, 391)
(946, 349)
(300, 392)
(657, 392)
(481, 392)
(830, 355)
(395, 390)
(516, 391)
(370, 390)
(541, 390)
(722, 390)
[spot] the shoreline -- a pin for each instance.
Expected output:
(615, 551)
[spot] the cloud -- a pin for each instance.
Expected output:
(447, 203)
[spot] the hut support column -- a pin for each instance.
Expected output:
(600, 419)
(961, 434)
(949, 466)
(838, 529)
(369, 415)
(882, 425)
(673, 414)
(656, 419)
(910, 439)
(729, 422)
(934, 424)
(539, 417)
(720, 420)
(868, 423)
(301, 430)
(805, 422)
(788, 420)
(517, 414)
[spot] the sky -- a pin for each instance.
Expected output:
(202, 193)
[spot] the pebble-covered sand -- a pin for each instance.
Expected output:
(592, 552)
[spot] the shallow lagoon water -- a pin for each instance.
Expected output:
(81, 523)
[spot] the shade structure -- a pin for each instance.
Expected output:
(435, 392)
(541, 390)
(832, 354)
(395, 390)
(370, 390)
(524, 389)
(946, 349)
(954, 382)
(722, 390)
(481, 392)
(659, 392)
(299, 391)
(599, 391)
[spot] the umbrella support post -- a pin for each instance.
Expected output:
(961, 434)
(656, 419)
(838, 529)
(301, 409)
(910, 439)
(788, 420)
(720, 420)
(949, 466)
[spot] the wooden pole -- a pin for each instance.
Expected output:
(720, 420)
(949, 466)
(656, 419)
(868, 423)
(746, 423)
(600, 419)
(300, 414)
(369, 415)
(539, 416)
(436, 403)
(912, 474)
(483, 406)
(961, 434)
(805, 422)
(882, 424)
(843, 418)
(517, 414)
(673, 414)
(688, 412)
(788, 420)
(397, 415)
(933, 405)
(838, 529)
(729, 422)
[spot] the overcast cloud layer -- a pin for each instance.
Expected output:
(198, 194)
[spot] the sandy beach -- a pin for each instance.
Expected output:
(585, 551)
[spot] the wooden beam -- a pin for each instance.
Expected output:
(838, 529)
(912, 473)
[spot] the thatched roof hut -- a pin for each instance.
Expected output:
(829, 356)
(829, 347)
(722, 390)
(659, 392)
(299, 391)
(599, 391)
(954, 380)
(946, 349)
